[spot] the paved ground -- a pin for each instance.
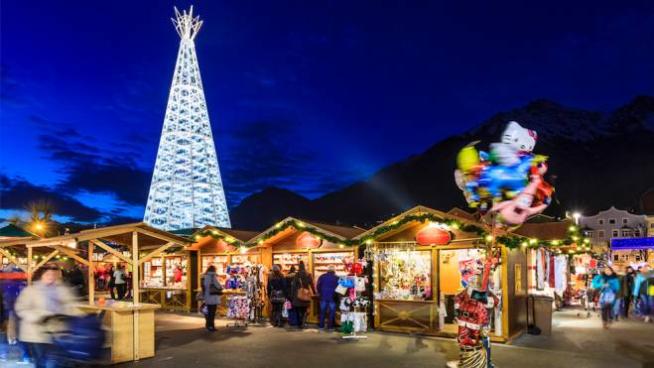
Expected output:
(576, 342)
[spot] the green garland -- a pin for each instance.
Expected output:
(509, 241)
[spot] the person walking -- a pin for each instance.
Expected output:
(643, 292)
(627, 290)
(211, 291)
(276, 291)
(120, 282)
(44, 298)
(327, 283)
(290, 276)
(609, 286)
(302, 291)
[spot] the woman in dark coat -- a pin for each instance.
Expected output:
(211, 290)
(276, 292)
(302, 280)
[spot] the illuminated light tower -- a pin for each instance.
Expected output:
(186, 189)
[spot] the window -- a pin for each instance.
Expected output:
(626, 233)
(600, 221)
(637, 233)
(612, 221)
(600, 234)
(625, 221)
(616, 257)
(588, 234)
(651, 225)
(615, 233)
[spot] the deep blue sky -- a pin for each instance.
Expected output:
(305, 95)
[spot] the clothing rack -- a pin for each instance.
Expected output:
(353, 314)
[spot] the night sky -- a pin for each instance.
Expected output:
(304, 95)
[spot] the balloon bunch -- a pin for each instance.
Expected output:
(508, 180)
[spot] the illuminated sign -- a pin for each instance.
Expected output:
(632, 243)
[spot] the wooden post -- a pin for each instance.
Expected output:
(136, 293)
(91, 273)
(29, 265)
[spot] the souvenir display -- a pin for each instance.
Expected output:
(167, 272)
(153, 276)
(220, 262)
(238, 307)
(507, 181)
(353, 306)
(286, 260)
(340, 260)
(405, 275)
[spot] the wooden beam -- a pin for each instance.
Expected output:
(91, 275)
(70, 253)
(111, 250)
(135, 268)
(136, 290)
(8, 255)
(162, 237)
(155, 253)
(29, 266)
(45, 260)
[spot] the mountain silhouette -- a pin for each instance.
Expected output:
(596, 160)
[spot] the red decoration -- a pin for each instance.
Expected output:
(357, 268)
(307, 240)
(433, 235)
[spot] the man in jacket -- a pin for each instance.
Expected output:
(327, 284)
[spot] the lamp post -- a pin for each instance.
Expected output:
(576, 216)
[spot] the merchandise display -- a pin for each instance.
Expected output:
(167, 272)
(353, 305)
(286, 260)
(405, 275)
(220, 262)
(340, 261)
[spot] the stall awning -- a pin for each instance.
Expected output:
(632, 243)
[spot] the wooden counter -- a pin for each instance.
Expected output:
(130, 329)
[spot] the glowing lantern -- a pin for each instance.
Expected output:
(433, 235)
(306, 240)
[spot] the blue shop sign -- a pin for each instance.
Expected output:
(632, 243)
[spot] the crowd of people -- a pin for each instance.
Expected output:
(617, 295)
(289, 295)
(115, 280)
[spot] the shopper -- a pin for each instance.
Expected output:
(292, 316)
(211, 291)
(326, 286)
(276, 292)
(302, 290)
(609, 286)
(44, 298)
(627, 290)
(120, 282)
(644, 292)
(11, 287)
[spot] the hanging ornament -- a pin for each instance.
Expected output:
(433, 235)
(307, 240)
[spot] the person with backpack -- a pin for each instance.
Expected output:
(608, 285)
(46, 297)
(302, 291)
(644, 292)
(276, 292)
(211, 292)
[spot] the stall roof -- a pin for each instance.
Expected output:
(119, 234)
(545, 230)
(456, 211)
(243, 236)
(417, 210)
(13, 231)
(346, 232)
(341, 232)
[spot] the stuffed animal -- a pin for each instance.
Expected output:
(516, 141)
(496, 179)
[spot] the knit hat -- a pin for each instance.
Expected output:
(276, 268)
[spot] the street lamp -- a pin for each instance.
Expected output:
(576, 216)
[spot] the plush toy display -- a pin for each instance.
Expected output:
(507, 181)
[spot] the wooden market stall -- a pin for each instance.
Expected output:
(316, 244)
(130, 325)
(12, 245)
(167, 279)
(422, 258)
(224, 249)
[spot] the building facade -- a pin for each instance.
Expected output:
(613, 223)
